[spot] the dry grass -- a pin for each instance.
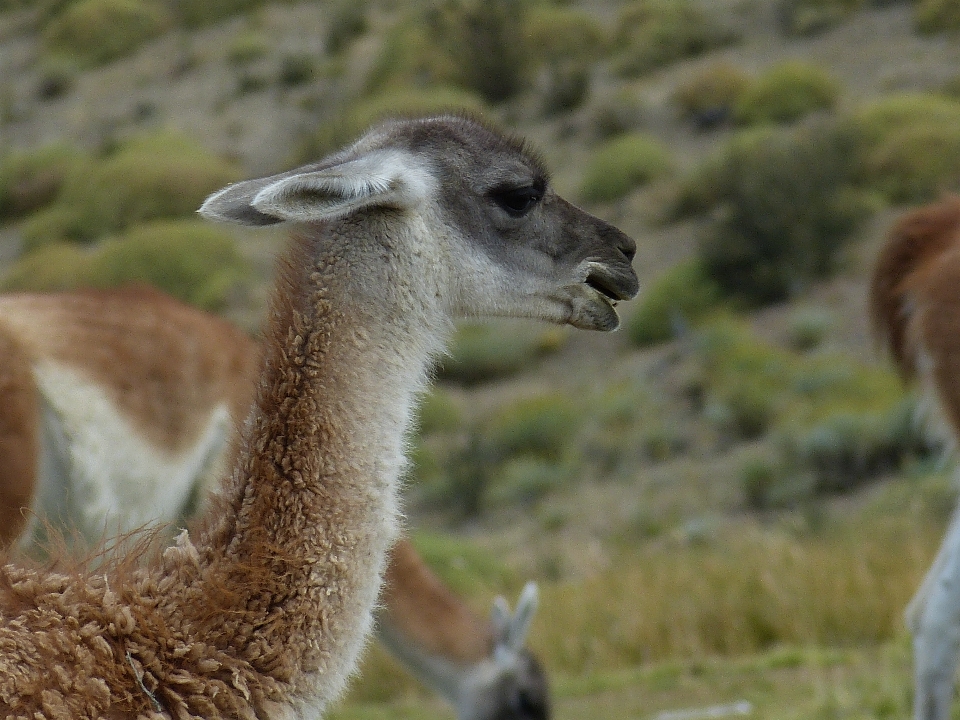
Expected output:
(739, 595)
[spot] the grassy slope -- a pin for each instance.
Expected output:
(636, 620)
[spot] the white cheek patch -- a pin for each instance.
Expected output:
(115, 479)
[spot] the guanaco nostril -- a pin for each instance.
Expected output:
(629, 250)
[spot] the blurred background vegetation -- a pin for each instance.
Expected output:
(734, 497)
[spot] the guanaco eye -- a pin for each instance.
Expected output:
(517, 202)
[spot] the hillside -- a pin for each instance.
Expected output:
(736, 508)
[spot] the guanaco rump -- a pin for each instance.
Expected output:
(260, 609)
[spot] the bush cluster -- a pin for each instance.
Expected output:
(935, 16)
(515, 454)
(806, 17)
(99, 31)
(566, 42)
(348, 21)
(836, 422)
(197, 13)
(652, 33)
(189, 259)
(540, 426)
(709, 97)
(247, 46)
(621, 164)
(492, 50)
(485, 42)
(916, 163)
(29, 180)
(679, 297)
(785, 203)
(406, 101)
(149, 177)
(909, 146)
(786, 92)
(480, 352)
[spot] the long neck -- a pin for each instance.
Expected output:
(289, 564)
(430, 629)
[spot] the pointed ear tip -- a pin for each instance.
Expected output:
(530, 594)
(206, 213)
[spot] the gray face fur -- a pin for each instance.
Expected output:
(482, 198)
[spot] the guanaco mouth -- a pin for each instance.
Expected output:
(606, 286)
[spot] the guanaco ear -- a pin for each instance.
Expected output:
(511, 629)
(384, 178)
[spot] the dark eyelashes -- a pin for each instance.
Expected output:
(518, 201)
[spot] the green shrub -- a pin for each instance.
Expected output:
(517, 453)
(626, 425)
(907, 145)
(951, 88)
(682, 295)
(711, 95)
(32, 179)
(565, 33)
(57, 77)
(808, 327)
(837, 422)
(466, 471)
(748, 383)
(786, 92)
(480, 352)
(477, 46)
(485, 41)
(540, 426)
(703, 188)
(806, 17)
(848, 447)
(567, 42)
(618, 113)
(404, 102)
(876, 122)
(197, 13)
(934, 16)
(765, 484)
(149, 177)
(916, 164)
(189, 259)
(621, 164)
(524, 480)
(297, 69)
(247, 46)
(653, 33)
(98, 31)
(786, 207)
(409, 60)
(58, 266)
(348, 21)
(438, 413)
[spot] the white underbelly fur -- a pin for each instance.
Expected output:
(98, 474)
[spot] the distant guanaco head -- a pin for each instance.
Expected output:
(473, 207)
(511, 684)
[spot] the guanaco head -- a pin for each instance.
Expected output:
(472, 209)
(511, 684)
